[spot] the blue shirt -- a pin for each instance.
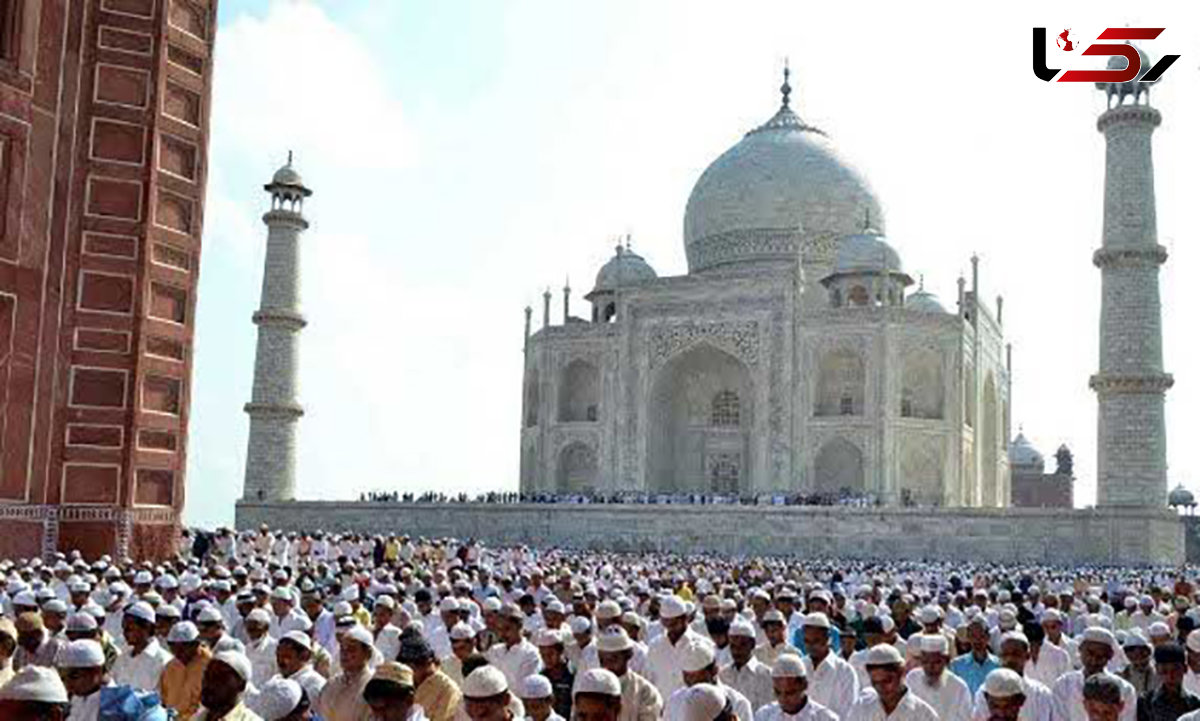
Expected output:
(835, 640)
(971, 671)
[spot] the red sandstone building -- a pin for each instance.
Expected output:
(103, 136)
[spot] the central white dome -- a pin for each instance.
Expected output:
(782, 191)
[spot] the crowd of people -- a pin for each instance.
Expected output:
(843, 498)
(281, 626)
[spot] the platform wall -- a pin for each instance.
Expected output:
(1081, 536)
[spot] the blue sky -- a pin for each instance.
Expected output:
(466, 155)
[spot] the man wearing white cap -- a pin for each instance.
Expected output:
(183, 677)
(286, 617)
(640, 701)
(439, 634)
(597, 696)
(746, 673)
(1001, 697)
(486, 695)
(664, 661)
(583, 652)
(1096, 648)
(36, 693)
(889, 698)
(142, 664)
(1052, 624)
(832, 682)
(226, 678)
(462, 644)
(1014, 656)
(341, 699)
(699, 666)
(293, 657)
(775, 634)
(260, 647)
(1191, 679)
(706, 702)
(537, 695)
(35, 644)
(1046, 661)
(933, 683)
(789, 686)
(280, 699)
(81, 665)
(515, 656)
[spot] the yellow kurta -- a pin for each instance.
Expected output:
(438, 696)
(179, 686)
(341, 699)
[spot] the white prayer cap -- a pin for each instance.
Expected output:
(278, 698)
(84, 653)
(1158, 629)
(544, 637)
(25, 598)
(1193, 641)
(741, 627)
(342, 608)
(672, 607)
(183, 632)
(608, 609)
(1014, 636)
(259, 615)
(360, 634)
(598, 681)
(142, 577)
(934, 643)
(236, 661)
(486, 682)
(1099, 634)
(535, 686)
(209, 614)
(1135, 639)
(929, 614)
(772, 616)
(140, 610)
(82, 622)
(167, 611)
(282, 593)
(448, 604)
(703, 702)
(884, 654)
(385, 601)
(461, 631)
(492, 604)
(614, 640)
(889, 624)
(1130, 602)
(299, 638)
(555, 606)
(788, 665)
(817, 620)
(35, 683)
(1051, 614)
(580, 624)
(508, 610)
(698, 656)
(54, 606)
(1003, 683)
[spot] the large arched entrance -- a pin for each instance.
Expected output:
(700, 415)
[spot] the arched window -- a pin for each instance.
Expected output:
(579, 393)
(726, 409)
(724, 470)
(841, 384)
(531, 399)
(859, 296)
(922, 390)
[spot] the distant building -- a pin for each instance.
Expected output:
(1032, 487)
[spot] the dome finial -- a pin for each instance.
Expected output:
(921, 286)
(289, 158)
(628, 241)
(786, 88)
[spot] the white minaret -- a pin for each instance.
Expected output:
(273, 409)
(1131, 385)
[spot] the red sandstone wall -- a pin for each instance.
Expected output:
(100, 231)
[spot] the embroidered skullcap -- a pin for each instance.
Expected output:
(535, 686)
(35, 683)
(278, 698)
(81, 654)
(789, 665)
(598, 681)
(1003, 683)
(183, 632)
(236, 661)
(486, 682)
(704, 702)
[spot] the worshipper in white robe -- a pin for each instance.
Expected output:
(790, 688)
(933, 683)
(888, 698)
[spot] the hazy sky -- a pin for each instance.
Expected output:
(465, 155)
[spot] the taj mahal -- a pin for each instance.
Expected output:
(797, 357)
(798, 353)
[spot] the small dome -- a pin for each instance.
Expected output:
(623, 269)
(924, 301)
(1022, 453)
(866, 252)
(287, 175)
(1180, 496)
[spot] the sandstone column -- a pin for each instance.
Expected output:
(273, 409)
(1131, 384)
